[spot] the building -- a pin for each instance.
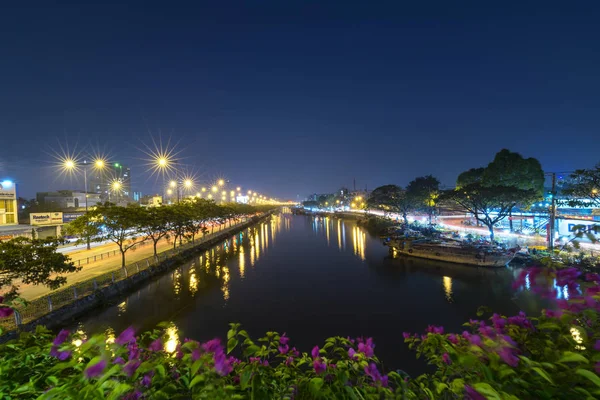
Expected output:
(151, 200)
(137, 196)
(100, 180)
(8, 203)
(67, 199)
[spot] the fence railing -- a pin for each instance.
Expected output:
(107, 254)
(43, 305)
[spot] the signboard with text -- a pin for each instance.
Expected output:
(7, 190)
(70, 216)
(50, 218)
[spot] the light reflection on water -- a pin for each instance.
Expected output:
(296, 273)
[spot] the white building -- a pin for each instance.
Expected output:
(8, 203)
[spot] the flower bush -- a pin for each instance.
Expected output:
(552, 356)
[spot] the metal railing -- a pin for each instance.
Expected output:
(43, 305)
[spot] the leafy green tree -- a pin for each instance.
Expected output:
(474, 175)
(392, 198)
(585, 187)
(107, 222)
(32, 261)
(488, 204)
(425, 191)
(511, 169)
(155, 224)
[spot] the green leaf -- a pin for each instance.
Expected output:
(197, 379)
(548, 325)
(440, 387)
(230, 333)
(231, 344)
(543, 374)
(457, 385)
(119, 390)
(487, 390)
(196, 366)
(589, 375)
(569, 356)
(315, 385)
(245, 378)
(160, 369)
(250, 350)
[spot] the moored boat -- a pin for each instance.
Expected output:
(454, 251)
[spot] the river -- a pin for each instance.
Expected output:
(313, 277)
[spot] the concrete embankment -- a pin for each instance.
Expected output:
(108, 294)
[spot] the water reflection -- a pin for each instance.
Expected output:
(448, 288)
(306, 285)
(358, 239)
(193, 281)
(172, 339)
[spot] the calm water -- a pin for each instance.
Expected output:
(313, 277)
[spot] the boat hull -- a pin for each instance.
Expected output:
(440, 253)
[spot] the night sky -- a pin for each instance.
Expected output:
(295, 97)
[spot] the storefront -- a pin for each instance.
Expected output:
(8, 203)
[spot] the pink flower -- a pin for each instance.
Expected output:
(61, 355)
(315, 352)
(472, 394)
(498, 321)
(156, 345)
(212, 346)
(284, 339)
(6, 312)
(61, 337)
(351, 353)
(131, 367)
(553, 313)
(147, 380)
(446, 358)
(507, 355)
(93, 371)
(319, 366)
(406, 335)
(367, 347)
(435, 329)
(283, 349)
(372, 372)
(452, 338)
(597, 345)
(119, 360)
(127, 336)
(592, 277)
(475, 339)
(222, 363)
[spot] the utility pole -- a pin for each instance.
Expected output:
(552, 214)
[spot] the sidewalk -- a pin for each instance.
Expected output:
(101, 266)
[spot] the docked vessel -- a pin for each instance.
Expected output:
(449, 250)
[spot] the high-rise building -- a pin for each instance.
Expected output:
(99, 181)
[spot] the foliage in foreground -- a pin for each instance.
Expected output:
(553, 356)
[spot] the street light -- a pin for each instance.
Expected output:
(69, 164)
(204, 189)
(221, 182)
(214, 189)
(238, 188)
(172, 184)
(188, 183)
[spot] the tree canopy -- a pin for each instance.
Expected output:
(32, 261)
(392, 198)
(584, 187)
(424, 191)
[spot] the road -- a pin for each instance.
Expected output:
(100, 266)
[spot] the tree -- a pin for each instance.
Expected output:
(488, 204)
(156, 224)
(33, 261)
(474, 175)
(512, 170)
(120, 225)
(425, 191)
(392, 198)
(585, 187)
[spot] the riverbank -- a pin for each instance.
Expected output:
(73, 301)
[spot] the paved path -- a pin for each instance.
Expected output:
(99, 267)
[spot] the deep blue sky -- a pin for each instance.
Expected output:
(293, 97)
